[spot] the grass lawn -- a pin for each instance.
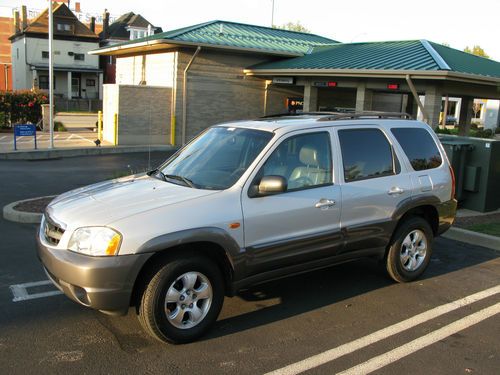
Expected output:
(489, 228)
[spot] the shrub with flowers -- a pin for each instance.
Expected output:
(20, 107)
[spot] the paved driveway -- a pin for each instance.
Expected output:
(350, 317)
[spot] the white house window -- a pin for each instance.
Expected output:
(79, 56)
(136, 34)
(45, 54)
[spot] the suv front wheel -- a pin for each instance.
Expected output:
(182, 299)
(410, 251)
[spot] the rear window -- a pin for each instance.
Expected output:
(419, 146)
(366, 153)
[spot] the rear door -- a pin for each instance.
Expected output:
(373, 184)
(429, 174)
(303, 223)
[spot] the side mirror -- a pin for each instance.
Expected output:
(272, 185)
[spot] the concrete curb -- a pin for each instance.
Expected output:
(22, 216)
(473, 238)
(82, 151)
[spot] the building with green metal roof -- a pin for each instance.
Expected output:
(221, 71)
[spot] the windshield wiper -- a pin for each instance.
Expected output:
(157, 174)
(165, 177)
(185, 180)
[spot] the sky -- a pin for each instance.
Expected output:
(459, 23)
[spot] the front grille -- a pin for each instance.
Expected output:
(52, 231)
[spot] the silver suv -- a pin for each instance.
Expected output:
(246, 202)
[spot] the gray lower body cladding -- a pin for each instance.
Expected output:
(102, 283)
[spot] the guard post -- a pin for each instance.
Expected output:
(99, 125)
(25, 130)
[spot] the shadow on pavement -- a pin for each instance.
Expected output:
(306, 292)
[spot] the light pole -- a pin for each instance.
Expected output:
(51, 75)
(272, 14)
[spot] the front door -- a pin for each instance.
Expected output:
(301, 224)
(75, 87)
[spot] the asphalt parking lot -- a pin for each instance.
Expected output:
(349, 318)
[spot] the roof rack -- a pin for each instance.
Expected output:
(367, 114)
(287, 114)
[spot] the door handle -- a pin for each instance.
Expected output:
(325, 203)
(395, 190)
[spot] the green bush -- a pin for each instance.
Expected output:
(497, 130)
(59, 127)
(483, 133)
(23, 106)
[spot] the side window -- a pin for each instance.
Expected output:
(419, 146)
(303, 160)
(366, 153)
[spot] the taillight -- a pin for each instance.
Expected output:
(452, 183)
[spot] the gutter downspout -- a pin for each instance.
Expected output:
(173, 102)
(416, 97)
(184, 94)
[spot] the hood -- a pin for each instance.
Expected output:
(108, 201)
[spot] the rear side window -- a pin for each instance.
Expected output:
(419, 146)
(366, 153)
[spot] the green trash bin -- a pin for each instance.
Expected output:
(476, 163)
(457, 150)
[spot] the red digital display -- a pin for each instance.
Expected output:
(332, 84)
(393, 86)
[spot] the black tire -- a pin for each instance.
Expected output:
(152, 310)
(397, 267)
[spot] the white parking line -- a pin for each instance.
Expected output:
(394, 355)
(20, 291)
(332, 354)
(84, 139)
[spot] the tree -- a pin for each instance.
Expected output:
(293, 26)
(476, 50)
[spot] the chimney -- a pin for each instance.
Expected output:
(105, 24)
(24, 17)
(92, 24)
(17, 26)
(77, 7)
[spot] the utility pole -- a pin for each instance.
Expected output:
(51, 75)
(272, 14)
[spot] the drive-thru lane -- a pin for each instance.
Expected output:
(270, 327)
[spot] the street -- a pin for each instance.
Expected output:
(309, 322)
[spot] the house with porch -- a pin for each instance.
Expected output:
(76, 73)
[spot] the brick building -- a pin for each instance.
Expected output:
(171, 85)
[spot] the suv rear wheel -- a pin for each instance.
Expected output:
(410, 251)
(182, 299)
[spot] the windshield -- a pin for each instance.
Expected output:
(216, 159)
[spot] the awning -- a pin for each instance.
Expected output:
(76, 69)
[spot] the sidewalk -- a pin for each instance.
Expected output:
(66, 144)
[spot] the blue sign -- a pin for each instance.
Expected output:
(25, 130)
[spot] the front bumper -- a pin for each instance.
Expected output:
(102, 283)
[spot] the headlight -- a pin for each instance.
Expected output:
(95, 241)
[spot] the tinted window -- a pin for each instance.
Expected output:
(366, 153)
(419, 146)
(303, 160)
